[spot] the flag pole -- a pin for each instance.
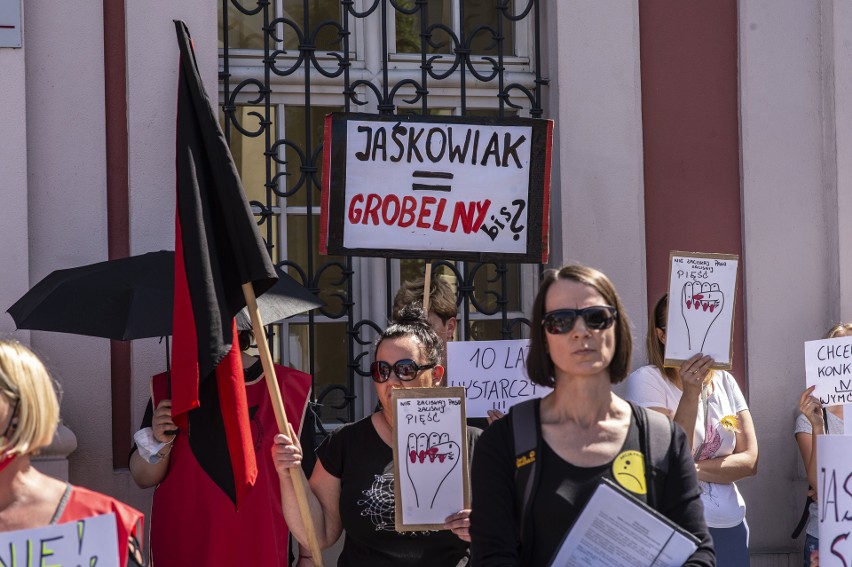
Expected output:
(300, 488)
(427, 287)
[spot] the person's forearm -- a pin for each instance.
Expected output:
(293, 515)
(811, 465)
(146, 474)
(728, 469)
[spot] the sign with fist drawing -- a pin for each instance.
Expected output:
(701, 307)
(430, 456)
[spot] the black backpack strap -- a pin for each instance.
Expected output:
(803, 521)
(526, 434)
(655, 434)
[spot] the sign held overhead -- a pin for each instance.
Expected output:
(458, 188)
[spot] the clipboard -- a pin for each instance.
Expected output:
(614, 529)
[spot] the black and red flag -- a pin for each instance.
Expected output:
(217, 249)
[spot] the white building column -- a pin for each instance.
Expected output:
(598, 183)
(14, 250)
(790, 243)
(837, 46)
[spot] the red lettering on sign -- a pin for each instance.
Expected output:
(425, 212)
(437, 225)
(371, 209)
(481, 210)
(406, 218)
(464, 215)
(386, 205)
(354, 210)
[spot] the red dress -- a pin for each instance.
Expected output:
(84, 503)
(193, 522)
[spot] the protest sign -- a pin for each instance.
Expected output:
(493, 374)
(702, 288)
(92, 541)
(834, 479)
(451, 187)
(828, 366)
(429, 456)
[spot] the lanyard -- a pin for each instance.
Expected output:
(705, 395)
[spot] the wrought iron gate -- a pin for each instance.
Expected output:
(291, 61)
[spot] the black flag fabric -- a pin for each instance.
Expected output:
(217, 249)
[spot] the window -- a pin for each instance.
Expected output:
(441, 57)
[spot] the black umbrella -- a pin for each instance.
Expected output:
(284, 299)
(130, 298)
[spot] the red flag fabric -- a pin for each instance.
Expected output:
(217, 249)
(193, 523)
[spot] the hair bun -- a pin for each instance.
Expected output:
(411, 314)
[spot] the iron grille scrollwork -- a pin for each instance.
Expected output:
(464, 58)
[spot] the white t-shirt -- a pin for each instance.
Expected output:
(835, 427)
(724, 507)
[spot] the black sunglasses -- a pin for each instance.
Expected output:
(405, 369)
(599, 317)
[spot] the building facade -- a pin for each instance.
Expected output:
(717, 127)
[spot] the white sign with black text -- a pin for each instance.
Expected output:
(493, 374)
(450, 187)
(834, 479)
(92, 541)
(828, 366)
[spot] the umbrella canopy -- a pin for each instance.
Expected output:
(131, 298)
(124, 299)
(284, 299)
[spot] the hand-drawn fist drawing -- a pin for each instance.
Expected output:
(700, 304)
(430, 459)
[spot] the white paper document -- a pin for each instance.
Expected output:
(615, 530)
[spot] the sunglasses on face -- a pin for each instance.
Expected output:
(598, 318)
(405, 369)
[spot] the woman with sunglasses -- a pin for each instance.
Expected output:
(580, 345)
(711, 409)
(29, 415)
(352, 484)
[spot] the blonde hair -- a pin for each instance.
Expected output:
(840, 327)
(442, 298)
(25, 380)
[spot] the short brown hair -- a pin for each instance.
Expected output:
(539, 364)
(442, 298)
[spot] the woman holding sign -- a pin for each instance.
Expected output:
(584, 435)
(711, 409)
(352, 485)
(816, 420)
(29, 415)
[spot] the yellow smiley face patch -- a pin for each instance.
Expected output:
(628, 469)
